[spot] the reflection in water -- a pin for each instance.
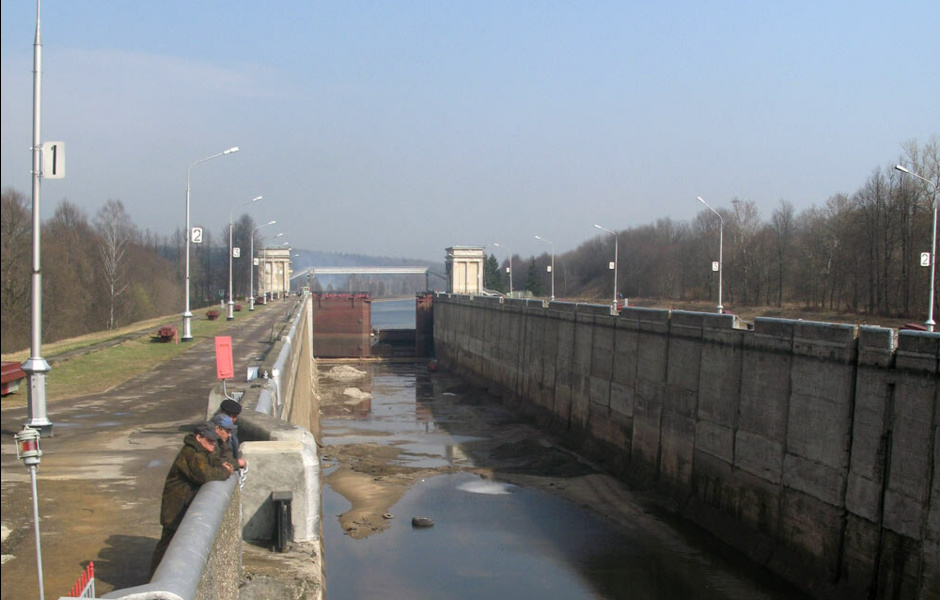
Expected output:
(492, 539)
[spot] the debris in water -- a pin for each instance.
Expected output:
(422, 522)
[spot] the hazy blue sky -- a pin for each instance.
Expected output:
(401, 128)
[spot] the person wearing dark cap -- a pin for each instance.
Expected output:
(232, 409)
(224, 452)
(192, 468)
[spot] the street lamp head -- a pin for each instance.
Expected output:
(231, 150)
(256, 198)
(700, 199)
(270, 223)
(902, 169)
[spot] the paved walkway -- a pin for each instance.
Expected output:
(102, 472)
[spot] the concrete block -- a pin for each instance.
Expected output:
(621, 399)
(918, 351)
(759, 456)
(876, 346)
(819, 430)
(868, 423)
(863, 497)
(650, 316)
(647, 419)
(562, 307)
(594, 309)
(915, 421)
(680, 401)
(861, 547)
(715, 439)
(677, 448)
(751, 502)
(602, 362)
(611, 429)
(810, 531)
(684, 361)
(815, 479)
(767, 327)
(624, 367)
(828, 341)
(903, 514)
(277, 466)
(765, 384)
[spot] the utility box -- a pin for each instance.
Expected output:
(283, 526)
(464, 269)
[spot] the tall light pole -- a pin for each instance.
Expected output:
(187, 315)
(721, 250)
(231, 251)
(36, 366)
(552, 268)
(510, 265)
(616, 251)
(933, 247)
(251, 287)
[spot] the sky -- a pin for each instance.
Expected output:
(400, 128)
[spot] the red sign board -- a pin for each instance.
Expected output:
(224, 365)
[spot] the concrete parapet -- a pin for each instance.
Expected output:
(203, 560)
(276, 466)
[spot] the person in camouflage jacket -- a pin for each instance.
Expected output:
(192, 468)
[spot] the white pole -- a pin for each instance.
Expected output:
(251, 299)
(231, 251)
(510, 266)
(187, 315)
(616, 257)
(36, 366)
(553, 263)
(721, 247)
(931, 299)
(32, 476)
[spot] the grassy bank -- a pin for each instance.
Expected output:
(96, 365)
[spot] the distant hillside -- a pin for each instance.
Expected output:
(317, 258)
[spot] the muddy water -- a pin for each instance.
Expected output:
(507, 501)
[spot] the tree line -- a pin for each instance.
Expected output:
(104, 272)
(857, 253)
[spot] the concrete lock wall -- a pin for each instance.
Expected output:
(810, 446)
(278, 428)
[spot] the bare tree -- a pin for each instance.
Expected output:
(782, 225)
(115, 231)
(15, 243)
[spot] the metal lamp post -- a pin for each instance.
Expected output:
(616, 252)
(251, 287)
(933, 247)
(552, 268)
(36, 366)
(721, 248)
(187, 315)
(231, 251)
(510, 265)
